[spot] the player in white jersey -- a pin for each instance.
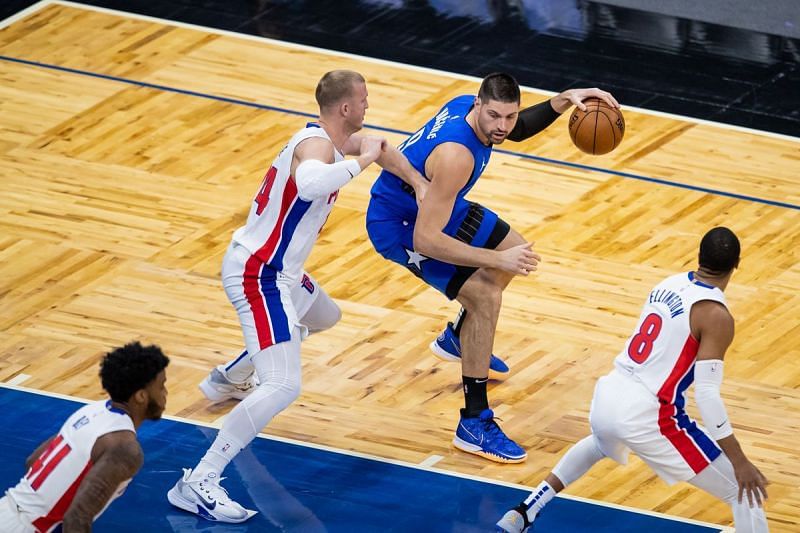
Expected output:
(682, 335)
(74, 475)
(262, 272)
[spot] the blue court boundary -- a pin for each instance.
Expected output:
(266, 107)
(297, 487)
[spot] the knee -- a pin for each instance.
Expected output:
(331, 317)
(485, 296)
(283, 389)
(324, 314)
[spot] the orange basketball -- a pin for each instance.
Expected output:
(599, 129)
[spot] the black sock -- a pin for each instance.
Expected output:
(459, 321)
(475, 397)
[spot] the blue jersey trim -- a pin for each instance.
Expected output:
(698, 282)
(113, 409)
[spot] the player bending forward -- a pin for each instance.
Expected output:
(75, 475)
(683, 333)
(277, 303)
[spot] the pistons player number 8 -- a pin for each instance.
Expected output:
(641, 344)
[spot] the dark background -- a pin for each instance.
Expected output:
(732, 61)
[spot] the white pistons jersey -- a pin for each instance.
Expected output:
(48, 488)
(661, 352)
(282, 227)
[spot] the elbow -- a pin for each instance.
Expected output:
(421, 241)
(306, 190)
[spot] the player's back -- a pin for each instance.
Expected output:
(449, 125)
(46, 491)
(661, 352)
(282, 227)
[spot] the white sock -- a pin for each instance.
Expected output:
(217, 457)
(537, 499)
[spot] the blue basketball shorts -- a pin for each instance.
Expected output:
(393, 238)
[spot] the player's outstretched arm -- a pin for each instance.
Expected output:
(315, 172)
(713, 325)
(394, 161)
(449, 166)
(117, 457)
(536, 118)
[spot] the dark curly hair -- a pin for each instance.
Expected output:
(123, 371)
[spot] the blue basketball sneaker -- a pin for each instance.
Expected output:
(448, 347)
(482, 436)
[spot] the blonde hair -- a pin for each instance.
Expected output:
(335, 86)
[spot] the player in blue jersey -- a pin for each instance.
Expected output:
(460, 247)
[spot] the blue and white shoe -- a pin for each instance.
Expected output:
(514, 521)
(206, 498)
(448, 347)
(482, 436)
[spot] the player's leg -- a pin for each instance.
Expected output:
(235, 379)
(393, 239)
(481, 295)
(315, 308)
(198, 491)
(573, 465)
(674, 446)
(718, 479)
(272, 335)
(481, 227)
(609, 406)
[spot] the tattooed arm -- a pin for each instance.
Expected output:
(116, 458)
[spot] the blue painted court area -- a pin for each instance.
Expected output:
(297, 488)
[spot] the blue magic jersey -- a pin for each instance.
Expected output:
(393, 197)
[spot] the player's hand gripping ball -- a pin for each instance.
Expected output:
(599, 129)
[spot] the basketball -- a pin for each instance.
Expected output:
(599, 129)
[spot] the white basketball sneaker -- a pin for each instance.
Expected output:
(217, 387)
(205, 497)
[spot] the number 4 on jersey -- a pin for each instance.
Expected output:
(642, 343)
(263, 193)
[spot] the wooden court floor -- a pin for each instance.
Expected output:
(122, 183)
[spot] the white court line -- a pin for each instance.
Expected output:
(322, 447)
(430, 461)
(19, 379)
(258, 38)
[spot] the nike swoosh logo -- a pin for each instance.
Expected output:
(723, 423)
(351, 174)
(209, 506)
(487, 379)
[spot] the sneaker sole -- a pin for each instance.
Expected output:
(212, 394)
(442, 354)
(477, 450)
(175, 498)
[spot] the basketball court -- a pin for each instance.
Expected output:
(130, 149)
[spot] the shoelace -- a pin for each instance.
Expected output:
(206, 481)
(492, 430)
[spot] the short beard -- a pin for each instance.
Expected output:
(153, 411)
